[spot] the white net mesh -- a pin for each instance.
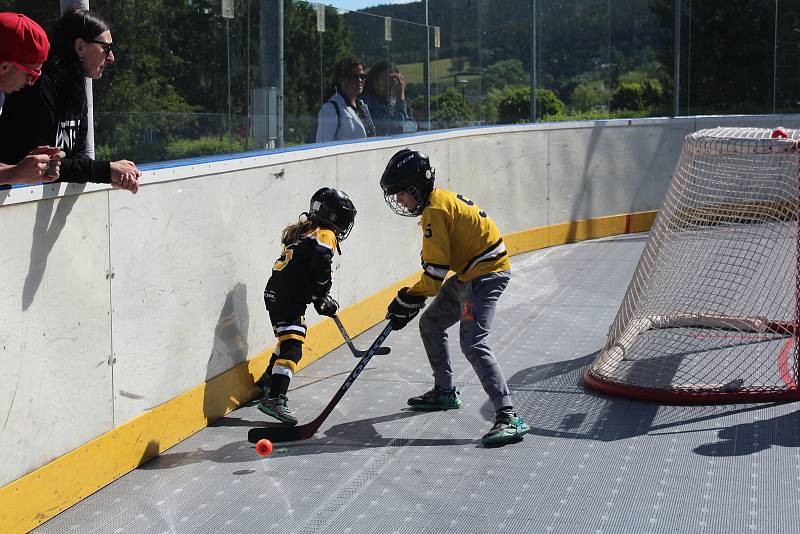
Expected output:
(710, 313)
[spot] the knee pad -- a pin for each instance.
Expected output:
(290, 350)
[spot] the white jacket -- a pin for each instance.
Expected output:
(347, 125)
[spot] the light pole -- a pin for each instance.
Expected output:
(426, 71)
(463, 86)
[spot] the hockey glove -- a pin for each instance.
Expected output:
(326, 305)
(403, 308)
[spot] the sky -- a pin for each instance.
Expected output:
(353, 5)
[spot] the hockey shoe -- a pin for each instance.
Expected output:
(436, 399)
(278, 408)
(508, 428)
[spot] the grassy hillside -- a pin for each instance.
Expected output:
(440, 73)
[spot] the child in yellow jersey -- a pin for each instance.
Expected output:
(457, 236)
(301, 275)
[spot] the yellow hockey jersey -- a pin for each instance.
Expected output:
(458, 236)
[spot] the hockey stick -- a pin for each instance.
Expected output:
(296, 433)
(357, 353)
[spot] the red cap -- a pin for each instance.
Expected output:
(22, 40)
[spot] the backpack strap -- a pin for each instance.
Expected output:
(338, 117)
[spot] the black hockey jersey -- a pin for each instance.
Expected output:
(302, 272)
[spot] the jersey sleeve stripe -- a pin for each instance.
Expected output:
(436, 272)
(497, 250)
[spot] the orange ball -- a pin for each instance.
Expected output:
(264, 447)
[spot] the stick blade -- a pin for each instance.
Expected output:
(381, 351)
(279, 434)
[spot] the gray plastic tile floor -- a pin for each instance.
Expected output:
(591, 463)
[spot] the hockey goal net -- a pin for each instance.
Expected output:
(711, 313)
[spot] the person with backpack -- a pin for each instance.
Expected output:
(345, 115)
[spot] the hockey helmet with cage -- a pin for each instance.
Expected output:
(409, 171)
(333, 209)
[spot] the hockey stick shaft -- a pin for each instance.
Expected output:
(296, 433)
(357, 353)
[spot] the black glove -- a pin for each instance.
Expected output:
(403, 308)
(326, 305)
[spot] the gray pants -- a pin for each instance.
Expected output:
(473, 303)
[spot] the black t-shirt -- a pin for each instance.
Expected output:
(30, 119)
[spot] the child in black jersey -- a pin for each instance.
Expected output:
(301, 275)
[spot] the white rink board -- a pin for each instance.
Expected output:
(506, 175)
(191, 252)
(612, 170)
(55, 336)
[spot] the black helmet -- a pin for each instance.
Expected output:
(408, 170)
(333, 209)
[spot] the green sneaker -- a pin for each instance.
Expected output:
(508, 428)
(436, 399)
(278, 408)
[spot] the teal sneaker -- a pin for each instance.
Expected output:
(508, 428)
(437, 399)
(278, 408)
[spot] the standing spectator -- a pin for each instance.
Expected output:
(344, 115)
(385, 94)
(23, 49)
(54, 111)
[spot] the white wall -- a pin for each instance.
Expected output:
(114, 303)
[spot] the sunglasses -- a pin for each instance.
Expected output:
(107, 47)
(358, 77)
(27, 70)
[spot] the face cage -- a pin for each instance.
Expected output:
(342, 233)
(399, 209)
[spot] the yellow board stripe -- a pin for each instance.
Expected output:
(36, 497)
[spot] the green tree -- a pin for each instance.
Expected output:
(515, 104)
(452, 109)
(504, 73)
(589, 95)
(185, 72)
(146, 99)
(638, 96)
(727, 52)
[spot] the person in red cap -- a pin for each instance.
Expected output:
(55, 110)
(23, 50)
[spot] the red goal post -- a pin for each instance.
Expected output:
(712, 311)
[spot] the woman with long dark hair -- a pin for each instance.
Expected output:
(344, 115)
(54, 111)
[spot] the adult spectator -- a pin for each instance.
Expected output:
(23, 49)
(54, 111)
(385, 95)
(344, 115)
